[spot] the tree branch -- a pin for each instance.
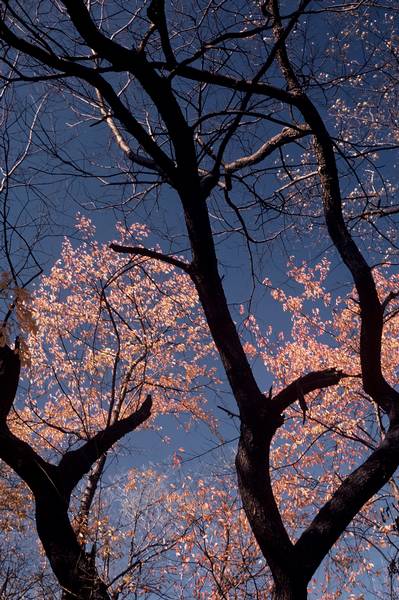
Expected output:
(134, 157)
(371, 311)
(10, 367)
(137, 250)
(285, 136)
(106, 90)
(158, 88)
(76, 463)
(37, 473)
(316, 380)
(231, 83)
(253, 471)
(156, 14)
(359, 487)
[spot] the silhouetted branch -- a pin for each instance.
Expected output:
(316, 380)
(138, 251)
(76, 463)
(10, 366)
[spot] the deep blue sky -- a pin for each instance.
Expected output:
(50, 190)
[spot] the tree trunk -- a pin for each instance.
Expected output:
(88, 585)
(290, 591)
(73, 567)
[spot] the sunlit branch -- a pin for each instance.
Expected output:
(107, 92)
(134, 157)
(284, 137)
(157, 88)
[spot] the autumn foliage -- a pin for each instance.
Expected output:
(222, 139)
(109, 330)
(100, 331)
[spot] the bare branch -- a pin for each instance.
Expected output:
(157, 87)
(371, 310)
(156, 14)
(99, 83)
(76, 463)
(285, 136)
(134, 157)
(138, 251)
(316, 380)
(391, 296)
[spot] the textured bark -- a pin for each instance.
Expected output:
(74, 568)
(333, 518)
(290, 592)
(10, 367)
(256, 492)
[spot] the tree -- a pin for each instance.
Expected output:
(199, 99)
(100, 333)
(342, 424)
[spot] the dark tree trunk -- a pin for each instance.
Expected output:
(52, 486)
(290, 591)
(292, 565)
(73, 567)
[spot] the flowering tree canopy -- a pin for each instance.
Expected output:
(236, 131)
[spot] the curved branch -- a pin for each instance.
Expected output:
(134, 157)
(106, 90)
(156, 14)
(371, 310)
(256, 491)
(158, 88)
(137, 250)
(359, 487)
(316, 380)
(37, 473)
(285, 136)
(76, 463)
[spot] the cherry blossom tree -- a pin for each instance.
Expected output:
(264, 121)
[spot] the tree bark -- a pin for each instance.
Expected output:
(292, 565)
(290, 591)
(74, 568)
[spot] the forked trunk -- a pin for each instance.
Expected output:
(87, 586)
(74, 568)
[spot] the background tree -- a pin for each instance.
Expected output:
(216, 105)
(106, 331)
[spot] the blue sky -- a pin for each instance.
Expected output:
(49, 187)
